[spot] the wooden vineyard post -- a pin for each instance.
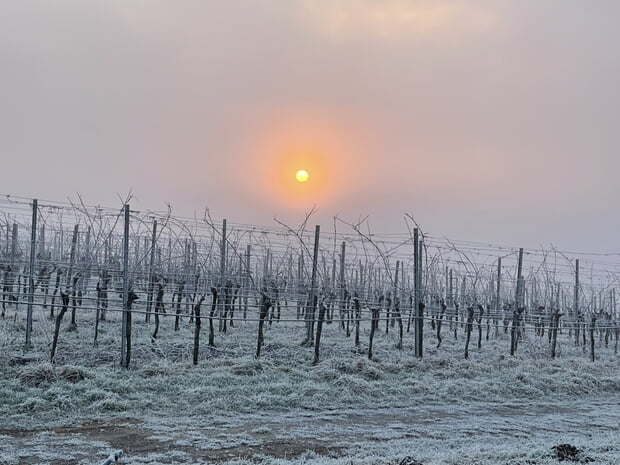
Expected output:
(169, 259)
(70, 279)
(358, 316)
(554, 330)
(614, 316)
(33, 245)
(498, 296)
(246, 281)
(373, 324)
(480, 315)
(439, 322)
(463, 300)
(312, 295)
(402, 298)
(514, 335)
(300, 266)
(14, 236)
(415, 290)
(421, 304)
(342, 289)
(576, 303)
(369, 284)
(222, 280)
(592, 327)
(387, 298)
(332, 290)
(86, 270)
(452, 304)
(211, 315)
(179, 297)
(151, 284)
(56, 289)
(396, 307)
(468, 328)
(446, 297)
(554, 306)
(126, 320)
(418, 305)
(46, 270)
(490, 298)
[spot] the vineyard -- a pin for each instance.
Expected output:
(98, 264)
(115, 316)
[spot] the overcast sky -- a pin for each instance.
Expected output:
(492, 121)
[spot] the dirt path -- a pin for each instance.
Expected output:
(437, 432)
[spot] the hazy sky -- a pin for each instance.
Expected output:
(493, 121)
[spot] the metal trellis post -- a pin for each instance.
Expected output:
(33, 245)
(125, 319)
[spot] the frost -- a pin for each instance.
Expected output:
(232, 409)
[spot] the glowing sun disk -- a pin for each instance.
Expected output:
(301, 175)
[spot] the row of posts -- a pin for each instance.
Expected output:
(126, 329)
(310, 315)
(126, 319)
(417, 301)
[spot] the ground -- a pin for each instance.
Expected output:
(282, 409)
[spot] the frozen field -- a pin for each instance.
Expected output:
(475, 433)
(231, 408)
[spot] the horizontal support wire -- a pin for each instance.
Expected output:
(187, 260)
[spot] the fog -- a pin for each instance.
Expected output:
(490, 121)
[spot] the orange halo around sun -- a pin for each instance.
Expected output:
(283, 145)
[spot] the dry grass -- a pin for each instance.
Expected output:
(38, 375)
(43, 374)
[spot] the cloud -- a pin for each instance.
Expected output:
(396, 19)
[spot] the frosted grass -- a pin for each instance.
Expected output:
(233, 401)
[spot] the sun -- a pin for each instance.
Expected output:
(302, 175)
